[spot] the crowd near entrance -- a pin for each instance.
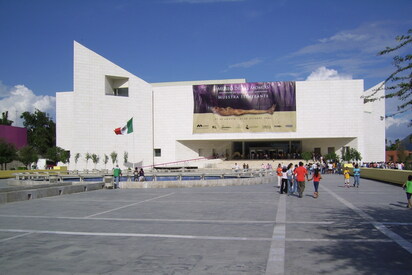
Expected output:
(260, 150)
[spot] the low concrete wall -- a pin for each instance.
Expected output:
(386, 175)
(199, 183)
(47, 191)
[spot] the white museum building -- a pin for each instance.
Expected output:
(183, 123)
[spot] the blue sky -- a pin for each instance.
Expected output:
(177, 40)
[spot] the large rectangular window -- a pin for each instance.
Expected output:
(157, 152)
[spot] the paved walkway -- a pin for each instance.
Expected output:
(219, 230)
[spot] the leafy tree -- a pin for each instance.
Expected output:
(28, 155)
(57, 154)
(351, 154)
(332, 157)
(113, 156)
(4, 119)
(307, 156)
(41, 130)
(8, 153)
(399, 83)
(356, 154)
(95, 159)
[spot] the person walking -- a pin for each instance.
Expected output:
(408, 189)
(356, 175)
(346, 176)
(116, 174)
(284, 185)
(316, 179)
(301, 173)
(279, 174)
(289, 173)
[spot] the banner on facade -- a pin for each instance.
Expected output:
(245, 107)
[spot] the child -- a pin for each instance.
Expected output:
(408, 190)
(316, 179)
(346, 175)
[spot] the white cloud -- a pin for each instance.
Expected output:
(19, 99)
(246, 64)
(323, 73)
(396, 121)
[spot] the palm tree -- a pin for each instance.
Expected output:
(95, 159)
(87, 157)
(113, 156)
(105, 160)
(76, 159)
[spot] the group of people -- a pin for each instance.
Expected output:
(385, 165)
(291, 179)
(138, 175)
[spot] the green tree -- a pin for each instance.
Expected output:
(57, 154)
(399, 83)
(5, 119)
(27, 155)
(95, 159)
(332, 157)
(307, 156)
(41, 131)
(113, 156)
(8, 153)
(351, 154)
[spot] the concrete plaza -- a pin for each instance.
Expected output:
(212, 230)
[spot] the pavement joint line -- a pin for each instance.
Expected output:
(405, 244)
(276, 259)
(169, 201)
(137, 219)
(15, 237)
(125, 206)
(172, 220)
(226, 238)
(104, 234)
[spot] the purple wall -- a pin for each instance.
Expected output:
(14, 135)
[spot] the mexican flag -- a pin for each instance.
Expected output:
(127, 129)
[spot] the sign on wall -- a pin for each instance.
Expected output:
(245, 107)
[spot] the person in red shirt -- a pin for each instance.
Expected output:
(301, 173)
(316, 179)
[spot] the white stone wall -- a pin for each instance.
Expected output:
(373, 124)
(95, 115)
(329, 114)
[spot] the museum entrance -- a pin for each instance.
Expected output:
(267, 150)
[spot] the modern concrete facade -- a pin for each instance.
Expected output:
(330, 116)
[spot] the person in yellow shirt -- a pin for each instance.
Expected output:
(346, 175)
